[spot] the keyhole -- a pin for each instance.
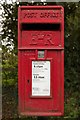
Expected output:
(28, 81)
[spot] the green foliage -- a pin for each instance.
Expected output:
(72, 56)
(71, 106)
(9, 31)
(72, 53)
(9, 61)
(72, 50)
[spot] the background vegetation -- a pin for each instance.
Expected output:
(72, 60)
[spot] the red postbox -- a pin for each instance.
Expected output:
(41, 60)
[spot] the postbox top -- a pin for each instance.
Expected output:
(35, 7)
(40, 14)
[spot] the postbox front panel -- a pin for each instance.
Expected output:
(41, 64)
(41, 81)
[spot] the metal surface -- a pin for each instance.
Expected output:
(41, 38)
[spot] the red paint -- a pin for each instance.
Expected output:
(41, 28)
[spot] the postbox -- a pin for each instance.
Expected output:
(41, 60)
